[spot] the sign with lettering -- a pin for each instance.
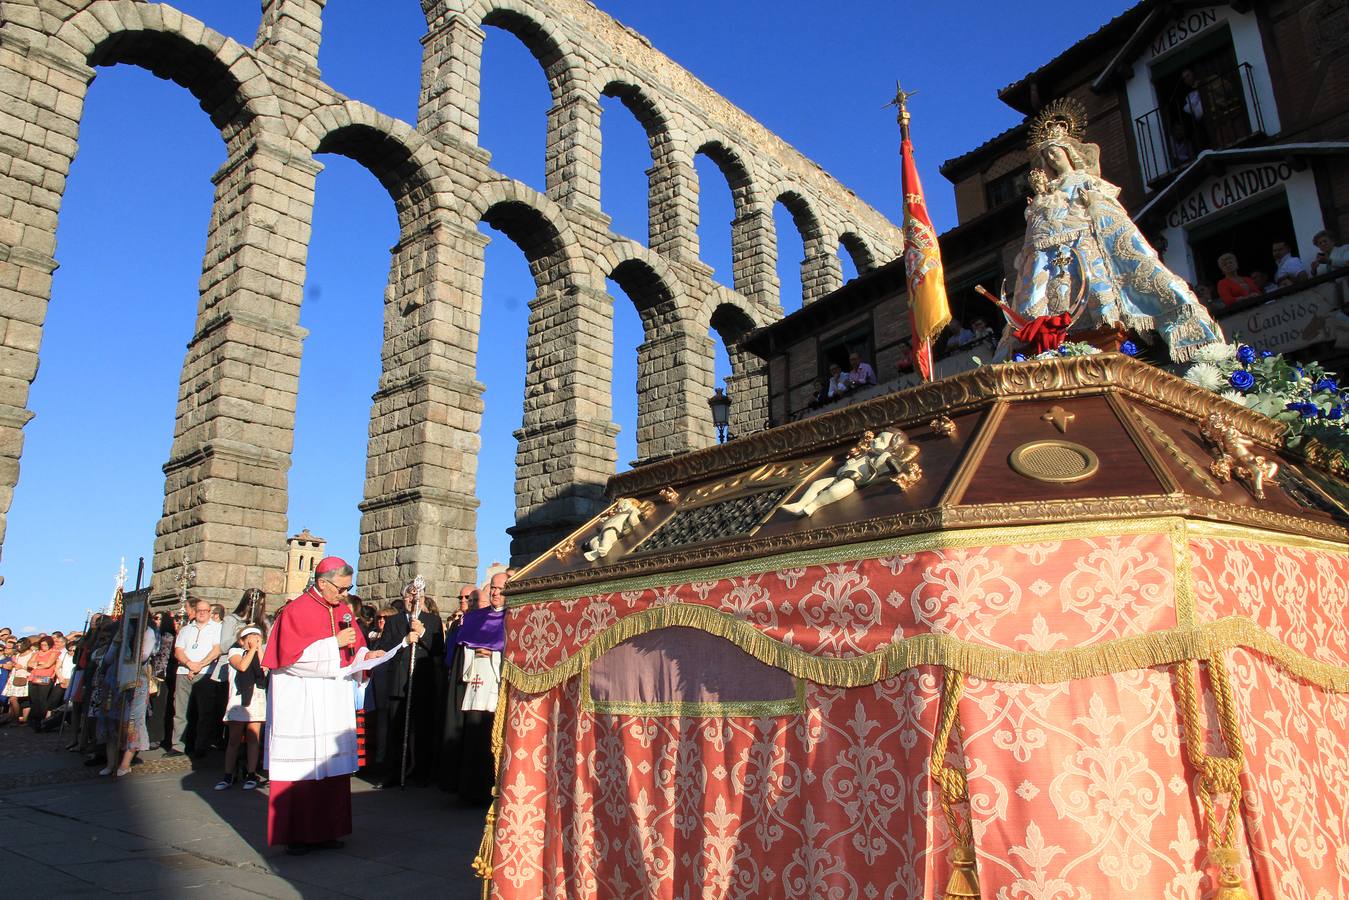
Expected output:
(1226, 189)
(1182, 28)
(1289, 323)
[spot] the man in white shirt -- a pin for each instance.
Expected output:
(1290, 268)
(196, 649)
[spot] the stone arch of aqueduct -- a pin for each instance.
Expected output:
(225, 492)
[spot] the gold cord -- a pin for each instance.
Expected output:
(482, 863)
(964, 881)
(1217, 774)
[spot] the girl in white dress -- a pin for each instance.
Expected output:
(246, 709)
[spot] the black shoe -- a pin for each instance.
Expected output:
(328, 845)
(97, 759)
(172, 752)
(297, 849)
(200, 754)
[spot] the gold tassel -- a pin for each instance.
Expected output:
(1231, 888)
(482, 863)
(964, 882)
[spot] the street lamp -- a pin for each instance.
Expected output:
(721, 413)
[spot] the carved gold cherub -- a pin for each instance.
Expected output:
(627, 512)
(889, 451)
(1234, 455)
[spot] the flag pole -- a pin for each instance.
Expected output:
(929, 310)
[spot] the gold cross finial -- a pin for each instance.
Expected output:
(901, 102)
(1060, 417)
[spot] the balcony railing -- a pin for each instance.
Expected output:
(1169, 138)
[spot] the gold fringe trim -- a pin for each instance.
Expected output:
(482, 863)
(1158, 648)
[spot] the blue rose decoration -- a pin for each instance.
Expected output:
(1336, 412)
(1245, 354)
(1018, 357)
(1327, 384)
(1128, 348)
(1266, 354)
(1064, 351)
(1242, 380)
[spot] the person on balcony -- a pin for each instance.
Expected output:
(1288, 268)
(958, 336)
(839, 383)
(861, 372)
(1328, 256)
(1234, 287)
(1194, 124)
(979, 328)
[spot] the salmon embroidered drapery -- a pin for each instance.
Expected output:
(1068, 732)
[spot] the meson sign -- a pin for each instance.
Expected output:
(1224, 190)
(1182, 28)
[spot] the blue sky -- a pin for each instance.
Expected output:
(133, 229)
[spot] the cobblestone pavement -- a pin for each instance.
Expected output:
(163, 832)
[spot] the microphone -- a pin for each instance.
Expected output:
(347, 652)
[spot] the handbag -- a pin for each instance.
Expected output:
(20, 680)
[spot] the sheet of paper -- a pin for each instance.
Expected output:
(365, 664)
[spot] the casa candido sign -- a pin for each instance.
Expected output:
(1222, 191)
(1283, 325)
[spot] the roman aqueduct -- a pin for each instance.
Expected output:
(225, 491)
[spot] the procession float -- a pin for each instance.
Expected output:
(1069, 625)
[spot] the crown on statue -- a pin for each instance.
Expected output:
(1062, 120)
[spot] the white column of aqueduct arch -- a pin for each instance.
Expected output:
(226, 476)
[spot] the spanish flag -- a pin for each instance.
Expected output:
(929, 311)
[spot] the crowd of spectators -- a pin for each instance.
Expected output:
(1288, 271)
(199, 686)
(840, 382)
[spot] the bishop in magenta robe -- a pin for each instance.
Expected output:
(311, 747)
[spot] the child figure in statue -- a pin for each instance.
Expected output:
(1083, 254)
(627, 513)
(874, 455)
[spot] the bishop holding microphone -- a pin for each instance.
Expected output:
(312, 653)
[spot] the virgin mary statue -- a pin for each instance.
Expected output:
(1084, 256)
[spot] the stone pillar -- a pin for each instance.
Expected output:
(674, 381)
(754, 258)
(225, 486)
(41, 100)
(292, 30)
(672, 209)
(821, 273)
(420, 513)
(572, 161)
(748, 389)
(566, 449)
(451, 70)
